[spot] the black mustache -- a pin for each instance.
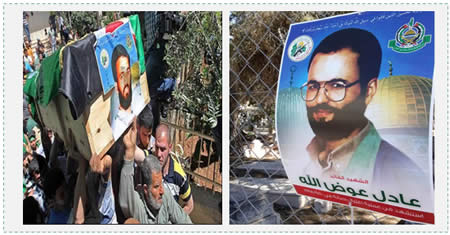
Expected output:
(323, 106)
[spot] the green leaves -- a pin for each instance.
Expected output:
(199, 49)
(84, 21)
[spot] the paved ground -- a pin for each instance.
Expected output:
(207, 207)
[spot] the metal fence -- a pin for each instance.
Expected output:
(260, 192)
(196, 153)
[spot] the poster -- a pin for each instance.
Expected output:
(118, 65)
(354, 111)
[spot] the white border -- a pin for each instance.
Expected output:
(432, 99)
(11, 84)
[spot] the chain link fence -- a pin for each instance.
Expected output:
(260, 192)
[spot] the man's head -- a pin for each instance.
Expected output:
(144, 126)
(342, 79)
(33, 170)
(122, 76)
(50, 135)
(33, 140)
(54, 186)
(31, 211)
(163, 144)
(27, 157)
(153, 189)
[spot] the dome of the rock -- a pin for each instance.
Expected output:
(401, 102)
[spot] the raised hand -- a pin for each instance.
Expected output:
(129, 140)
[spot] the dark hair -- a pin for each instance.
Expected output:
(149, 165)
(42, 164)
(117, 150)
(31, 211)
(359, 41)
(119, 50)
(53, 180)
(145, 118)
(33, 166)
(92, 213)
(25, 155)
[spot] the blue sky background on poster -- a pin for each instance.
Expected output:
(295, 134)
(107, 42)
(421, 64)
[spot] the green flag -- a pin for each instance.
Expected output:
(134, 20)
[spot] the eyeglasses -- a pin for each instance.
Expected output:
(334, 90)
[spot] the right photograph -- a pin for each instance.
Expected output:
(331, 117)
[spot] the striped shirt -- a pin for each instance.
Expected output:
(176, 181)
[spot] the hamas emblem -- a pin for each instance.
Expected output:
(104, 58)
(409, 38)
(129, 42)
(300, 48)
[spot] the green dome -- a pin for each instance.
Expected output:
(401, 102)
(292, 122)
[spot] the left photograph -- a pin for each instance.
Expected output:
(122, 117)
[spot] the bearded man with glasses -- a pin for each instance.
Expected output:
(342, 80)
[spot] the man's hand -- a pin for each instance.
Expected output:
(139, 156)
(189, 205)
(29, 192)
(129, 140)
(27, 145)
(27, 148)
(100, 164)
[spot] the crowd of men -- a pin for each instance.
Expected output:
(33, 56)
(134, 182)
(40, 201)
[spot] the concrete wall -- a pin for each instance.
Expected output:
(38, 21)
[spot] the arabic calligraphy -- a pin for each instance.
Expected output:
(358, 180)
(355, 22)
(337, 187)
(340, 177)
(394, 199)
